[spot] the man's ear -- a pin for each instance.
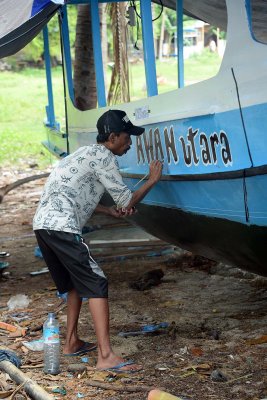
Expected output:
(111, 137)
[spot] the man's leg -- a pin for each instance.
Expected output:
(106, 357)
(72, 342)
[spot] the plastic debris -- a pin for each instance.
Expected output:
(20, 316)
(35, 345)
(18, 301)
(80, 395)
(146, 330)
(37, 252)
(4, 254)
(85, 359)
(3, 265)
(61, 390)
(63, 296)
(40, 272)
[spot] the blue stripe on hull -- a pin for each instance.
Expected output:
(255, 119)
(226, 199)
(257, 199)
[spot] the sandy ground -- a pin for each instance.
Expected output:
(214, 348)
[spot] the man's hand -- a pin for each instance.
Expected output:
(155, 170)
(127, 212)
(120, 212)
(114, 212)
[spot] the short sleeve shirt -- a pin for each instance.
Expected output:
(75, 187)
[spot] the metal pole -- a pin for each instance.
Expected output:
(50, 112)
(148, 47)
(99, 72)
(67, 55)
(180, 42)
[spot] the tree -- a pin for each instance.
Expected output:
(85, 96)
(119, 90)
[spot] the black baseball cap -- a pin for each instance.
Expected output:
(117, 121)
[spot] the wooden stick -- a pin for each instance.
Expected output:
(5, 189)
(240, 377)
(125, 388)
(96, 244)
(30, 387)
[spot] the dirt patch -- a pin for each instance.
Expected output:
(213, 312)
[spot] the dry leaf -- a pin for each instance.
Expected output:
(32, 366)
(202, 367)
(101, 376)
(53, 378)
(4, 395)
(24, 349)
(260, 340)
(196, 351)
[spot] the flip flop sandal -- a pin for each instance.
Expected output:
(119, 367)
(85, 348)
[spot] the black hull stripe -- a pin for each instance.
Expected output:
(241, 173)
(233, 243)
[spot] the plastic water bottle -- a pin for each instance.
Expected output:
(51, 345)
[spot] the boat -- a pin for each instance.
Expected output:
(211, 136)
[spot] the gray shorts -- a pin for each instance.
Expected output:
(70, 264)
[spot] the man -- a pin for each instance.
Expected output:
(71, 194)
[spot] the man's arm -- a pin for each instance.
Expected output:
(108, 211)
(155, 170)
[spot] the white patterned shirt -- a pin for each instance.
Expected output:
(75, 187)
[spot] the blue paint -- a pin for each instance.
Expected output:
(39, 5)
(148, 48)
(99, 72)
(180, 42)
(255, 120)
(249, 17)
(50, 112)
(257, 199)
(66, 48)
(209, 198)
(89, 1)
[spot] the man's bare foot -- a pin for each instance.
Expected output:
(116, 363)
(78, 347)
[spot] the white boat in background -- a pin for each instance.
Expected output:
(212, 198)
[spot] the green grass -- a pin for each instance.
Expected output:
(23, 98)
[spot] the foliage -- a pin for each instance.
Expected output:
(33, 52)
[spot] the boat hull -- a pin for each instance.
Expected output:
(219, 239)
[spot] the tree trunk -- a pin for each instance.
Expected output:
(119, 90)
(84, 70)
